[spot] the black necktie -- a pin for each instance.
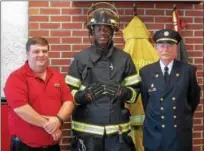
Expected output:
(166, 74)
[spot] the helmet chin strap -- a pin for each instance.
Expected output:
(111, 35)
(90, 39)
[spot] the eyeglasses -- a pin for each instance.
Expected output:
(162, 46)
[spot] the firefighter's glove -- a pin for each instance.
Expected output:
(119, 92)
(91, 93)
(113, 91)
(94, 92)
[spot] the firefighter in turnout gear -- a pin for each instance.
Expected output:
(102, 78)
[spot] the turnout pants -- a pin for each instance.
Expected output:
(103, 143)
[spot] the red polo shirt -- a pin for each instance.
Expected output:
(46, 97)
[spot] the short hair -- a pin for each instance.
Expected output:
(36, 40)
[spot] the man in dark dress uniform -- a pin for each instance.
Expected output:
(170, 95)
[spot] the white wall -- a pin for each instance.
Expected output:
(14, 34)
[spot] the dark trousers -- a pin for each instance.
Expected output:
(163, 147)
(18, 145)
(105, 143)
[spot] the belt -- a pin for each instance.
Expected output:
(17, 139)
(99, 130)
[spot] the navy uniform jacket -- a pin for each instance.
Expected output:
(169, 108)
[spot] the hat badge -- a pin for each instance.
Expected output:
(166, 33)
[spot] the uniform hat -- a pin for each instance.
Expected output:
(166, 36)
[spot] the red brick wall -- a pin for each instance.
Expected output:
(63, 24)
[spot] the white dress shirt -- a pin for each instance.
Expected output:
(170, 65)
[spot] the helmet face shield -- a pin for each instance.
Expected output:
(103, 14)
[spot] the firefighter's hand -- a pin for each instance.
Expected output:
(94, 92)
(119, 92)
(56, 135)
(52, 125)
(91, 93)
(113, 90)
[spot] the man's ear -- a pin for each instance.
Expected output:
(27, 53)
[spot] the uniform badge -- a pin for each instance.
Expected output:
(166, 33)
(152, 89)
(57, 85)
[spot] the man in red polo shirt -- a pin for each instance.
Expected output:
(38, 101)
